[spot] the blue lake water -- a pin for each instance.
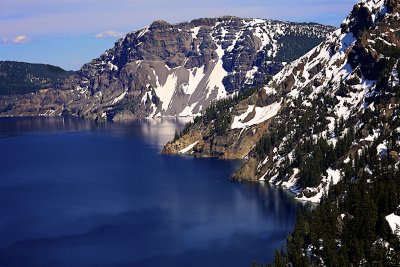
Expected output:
(73, 193)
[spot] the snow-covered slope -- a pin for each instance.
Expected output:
(346, 75)
(345, 88)
(394, 223)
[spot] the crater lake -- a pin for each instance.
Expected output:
(77, 193)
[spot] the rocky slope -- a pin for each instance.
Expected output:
(174, 69)
(333, 90)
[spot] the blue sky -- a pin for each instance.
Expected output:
(69, 33)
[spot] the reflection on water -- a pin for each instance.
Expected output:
(156, 131)
(76, 193)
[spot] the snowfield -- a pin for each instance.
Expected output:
(394, 223)
(188, 148)
(262, 114)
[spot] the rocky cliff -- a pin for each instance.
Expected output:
(174, 69)
(339, 98)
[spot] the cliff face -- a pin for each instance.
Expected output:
(340, 99)
(246, 127)
(248, 122)
(174, 70)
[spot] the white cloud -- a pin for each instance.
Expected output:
(20, 39)
(110, 34)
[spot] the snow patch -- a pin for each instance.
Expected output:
(166, 91)
(143, 32)
(195, 32)
(195, 77)
(333, 177)
(382, 149)
(291, 183)
(112, 67)
(188, 111)
(216, 76)
(119, 98)
(394, 223)
(188, 148)
(261, 115)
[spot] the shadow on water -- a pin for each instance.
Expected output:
(77, 193)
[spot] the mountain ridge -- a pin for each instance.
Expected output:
(175, 69)
(21, 77)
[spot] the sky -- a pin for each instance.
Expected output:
(69, 33)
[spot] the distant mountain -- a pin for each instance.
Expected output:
(176, 69)
(23, 78)
(327, 127)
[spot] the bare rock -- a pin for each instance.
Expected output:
(124, 116)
